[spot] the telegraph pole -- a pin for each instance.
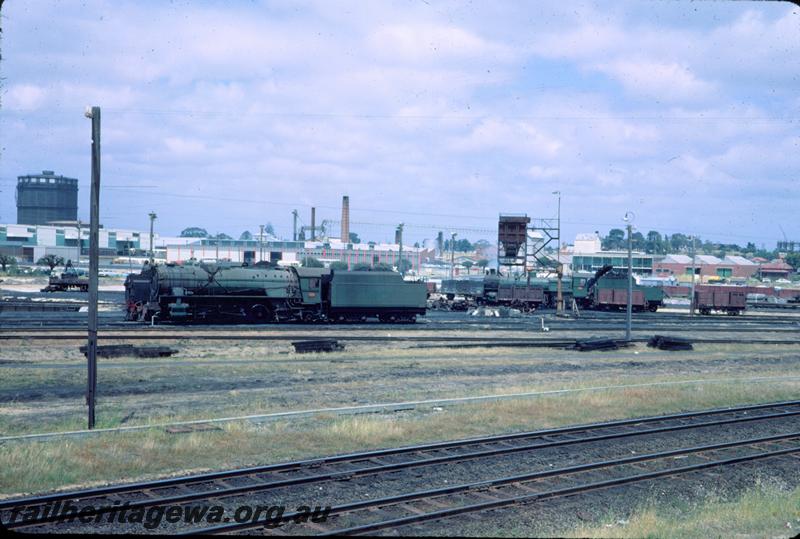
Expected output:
(629, 307)
(261, 244)
(153, 217)
(691, 293)
(400, 242)
(453, 255)
(559, 295)
(294, 227)
(94, 257)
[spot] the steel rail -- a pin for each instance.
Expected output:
(466, 341)
(381, 468)
(159, 483)
(53, 324)
(527, 498)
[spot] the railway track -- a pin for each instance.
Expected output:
(107, 320)
(422, 341)
(406, 508)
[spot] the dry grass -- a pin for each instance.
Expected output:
(37, 466)
(762, 512)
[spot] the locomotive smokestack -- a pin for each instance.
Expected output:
(313, 224)
(345, 219)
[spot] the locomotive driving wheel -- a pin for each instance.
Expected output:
(261, 314)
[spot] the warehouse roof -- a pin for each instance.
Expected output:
(707, 259)
(677, 259)
(776, 265)
(738, 260)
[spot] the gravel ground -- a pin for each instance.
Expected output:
(557, 517)
(541, 518)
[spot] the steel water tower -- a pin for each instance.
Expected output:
(45, 197)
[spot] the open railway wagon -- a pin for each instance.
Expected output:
(494, 289)
(69, 280)
(604, 290)
(608, 290)
(260, 294)
(717, 298)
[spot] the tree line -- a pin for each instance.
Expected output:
(655, 242)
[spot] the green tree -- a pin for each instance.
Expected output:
(246, 235)
(50, 261)
(382, 266)
(615, 240)
(637, 241)
(220, 236)
(194, 232)
(362, 267)
(339, 265)
(269, 229)
(653, 244)
(7, 260)
(311, 262)
(679, 242)
(353, 237)
(482, 263)
(467, 264)
(793, 259)
(462, 245)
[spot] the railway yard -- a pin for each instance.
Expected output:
(455, 425)
(400, 269)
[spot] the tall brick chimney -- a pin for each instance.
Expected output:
(345, 219)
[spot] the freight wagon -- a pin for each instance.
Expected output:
(609, 291)
(728, 299)
(68, 280)
(603, 290)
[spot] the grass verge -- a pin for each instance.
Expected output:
(760, 512)
(111, 457)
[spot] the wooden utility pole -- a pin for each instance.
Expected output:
(453, 255)
(261, 244)
(400, 254)
(629, 307)
(560, 272)
(691, 292)
(153, 217)
(94, 259)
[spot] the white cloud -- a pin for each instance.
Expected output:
(665, 81)
(402, 107)
(25, 96)
(181, 147)
(514, 136)
(432, 43)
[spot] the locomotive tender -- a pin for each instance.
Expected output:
(262, 293)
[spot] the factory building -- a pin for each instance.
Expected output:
(641, 263)
(46, 197)
(730, 267)
(587, 255)
(293, 252)
(30, 243)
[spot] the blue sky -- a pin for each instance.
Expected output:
(437, 114)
